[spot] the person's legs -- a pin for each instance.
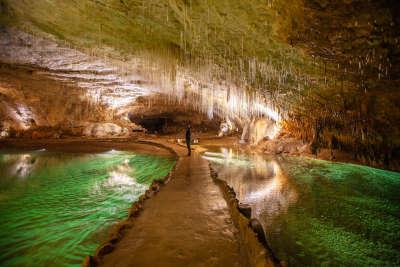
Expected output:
(188, 147)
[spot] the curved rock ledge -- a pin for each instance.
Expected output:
(256, 253)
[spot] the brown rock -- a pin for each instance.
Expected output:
(89, 261)
(105, 249)
(245, 209)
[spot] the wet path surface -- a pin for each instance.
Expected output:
(186, 224)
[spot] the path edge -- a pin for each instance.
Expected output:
(119, 228)
(255, 253)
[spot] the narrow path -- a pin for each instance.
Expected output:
(186, 224)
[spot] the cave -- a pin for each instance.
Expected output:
(199, 133)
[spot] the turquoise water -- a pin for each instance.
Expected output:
(318, 213)
(55, 208)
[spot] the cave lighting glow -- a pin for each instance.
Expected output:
(113, 83)
(22, 115)
(223, 99)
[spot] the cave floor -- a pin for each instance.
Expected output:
(186, 224)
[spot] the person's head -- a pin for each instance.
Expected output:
(188, 125)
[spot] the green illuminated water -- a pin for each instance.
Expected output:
(55, 208)
(318, 213)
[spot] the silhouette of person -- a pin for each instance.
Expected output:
(188, 138)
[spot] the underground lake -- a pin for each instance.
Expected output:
(315, 212)
(57, 207)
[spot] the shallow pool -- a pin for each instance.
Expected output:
(55, 208)
(318, 213)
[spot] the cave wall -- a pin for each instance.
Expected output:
(34, 105)
(356, 50)
(30, 101)
(330, 69)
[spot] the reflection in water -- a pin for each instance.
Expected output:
(120, 180)
(21, 165)
(273, 196)
(61, 210)
(257, 181)
(318, 213)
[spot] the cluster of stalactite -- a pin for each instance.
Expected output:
(212, 43)
(328, 69)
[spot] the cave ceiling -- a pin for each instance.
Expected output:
(235, 58)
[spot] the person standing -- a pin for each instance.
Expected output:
(188, 138)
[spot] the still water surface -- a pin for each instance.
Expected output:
(55, 208)
(318, 213)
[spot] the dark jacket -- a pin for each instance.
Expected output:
(188, 135)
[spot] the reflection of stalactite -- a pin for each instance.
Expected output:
(257, 181)
(23, 166)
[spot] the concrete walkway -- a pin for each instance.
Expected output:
(186, 224)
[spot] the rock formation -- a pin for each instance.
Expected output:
(327, 72)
